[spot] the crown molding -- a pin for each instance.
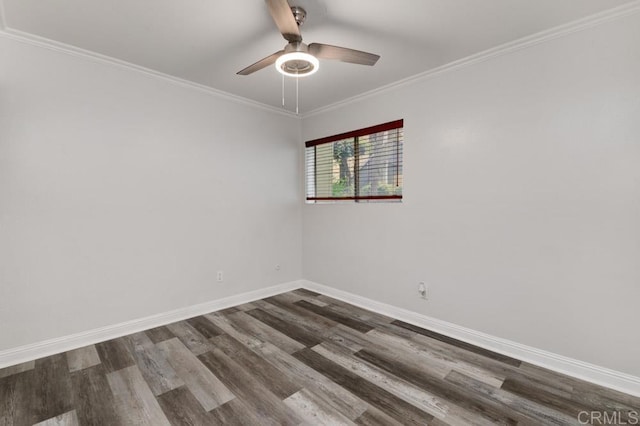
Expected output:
(503, 49)
(42, 42)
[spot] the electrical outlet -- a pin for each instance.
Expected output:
(423, 290)
(220, 276)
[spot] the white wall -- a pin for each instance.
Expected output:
(522, 198)
(122, 194)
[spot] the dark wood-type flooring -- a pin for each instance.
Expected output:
(295, 358)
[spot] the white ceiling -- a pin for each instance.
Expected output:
(208, 41)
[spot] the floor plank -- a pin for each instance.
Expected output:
(204, 327)
(347, 338)
(309, 321)
(192, 338)
(336, 396)
(52, 383)
(369, 392)
(17, 397)
(265, 333)
(305, 316)
(305, 292)
(114, 355)
(313, 410)
(159, 334)
(18, 368)
(419, 376)
(375, 417)
(234, 329)
(67, 419)
(234, 413)
(182, 408)
(262, 371)
(414, 395)
(203, 384)
(335, 316)
(93, 399)
(291, 330)
(458, 343)
(81, 358)
(269, 408)
(537, 412)
(156, 370)
(295, 296)
(438, 358)
(134, 402)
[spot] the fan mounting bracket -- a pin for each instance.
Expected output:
(299, 14)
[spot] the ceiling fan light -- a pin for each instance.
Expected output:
(297, 64)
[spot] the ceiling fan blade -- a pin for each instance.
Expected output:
(283, 17)
(262, 63)
(326, 51)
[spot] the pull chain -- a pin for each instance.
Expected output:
(297, 95)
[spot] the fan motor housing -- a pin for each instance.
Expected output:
(297, 66)
(297, 60)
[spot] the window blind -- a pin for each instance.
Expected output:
(362, 165)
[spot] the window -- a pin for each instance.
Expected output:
(363, 165)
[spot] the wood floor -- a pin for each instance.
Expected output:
(296, 358)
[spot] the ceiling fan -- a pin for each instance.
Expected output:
(298, 59)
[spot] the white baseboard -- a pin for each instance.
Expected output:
(581, 370)
(62, 344)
